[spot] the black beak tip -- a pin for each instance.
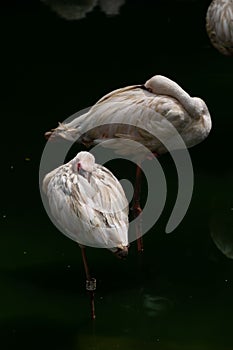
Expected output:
(122, 253)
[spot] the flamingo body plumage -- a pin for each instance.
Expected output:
(88, 203)
(219, 25)
(144, 108)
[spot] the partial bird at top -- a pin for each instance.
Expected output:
(146, 109)
(219, 25)
(75, 9)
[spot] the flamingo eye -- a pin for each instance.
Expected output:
(78, 166)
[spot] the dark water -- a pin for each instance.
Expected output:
(179, 295)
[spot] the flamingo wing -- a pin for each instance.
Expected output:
(88, 212)
(136, 114)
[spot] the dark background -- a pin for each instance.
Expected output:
(180, 295)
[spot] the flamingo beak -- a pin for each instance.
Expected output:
(121, 253)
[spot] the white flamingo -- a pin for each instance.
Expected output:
(144, 108)
(219, 25)
(90, 206)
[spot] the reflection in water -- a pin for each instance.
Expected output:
(141, 302)
(78, 9)
(111, 7)
(132, 318)
(221, 230)
(154, 305)
(96, 342)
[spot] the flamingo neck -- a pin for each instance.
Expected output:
(185, 99)
(163, 86)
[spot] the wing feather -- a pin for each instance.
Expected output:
(146, 114)
(92, 213)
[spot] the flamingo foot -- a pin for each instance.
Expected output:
(90, 282)
(91, 287)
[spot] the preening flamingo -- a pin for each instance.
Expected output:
(219, 25)
(90, 206)
(144, 108)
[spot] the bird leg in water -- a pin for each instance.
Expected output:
(90, 282)
(136, 208)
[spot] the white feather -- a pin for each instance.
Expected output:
(146, 110)
(91, 210)
(219, 25)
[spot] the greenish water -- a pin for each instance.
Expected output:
(179, 294)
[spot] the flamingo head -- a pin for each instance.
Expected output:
(200, 109)
(83, 164)
(120, 252)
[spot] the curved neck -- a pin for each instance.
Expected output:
(163, 86)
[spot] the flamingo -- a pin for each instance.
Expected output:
(90, 206)
(145, 108)
(75, 9)
(71, 10)
(219, 26)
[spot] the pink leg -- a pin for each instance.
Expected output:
(90, 282)
(136, 207)
(136, 204)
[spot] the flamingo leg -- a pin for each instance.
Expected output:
(136, 208)
(90, 282)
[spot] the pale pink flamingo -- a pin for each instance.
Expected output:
(90, 206)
